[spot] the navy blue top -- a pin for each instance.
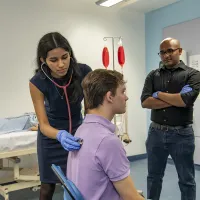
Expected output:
(56, 107)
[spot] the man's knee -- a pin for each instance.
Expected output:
(155, 177)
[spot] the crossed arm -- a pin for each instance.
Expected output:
(166, 100)
(172, 99)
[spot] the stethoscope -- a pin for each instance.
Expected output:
(64, 87)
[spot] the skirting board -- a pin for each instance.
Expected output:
(137, 157)
(144, 156)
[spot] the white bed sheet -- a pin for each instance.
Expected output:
(18, 141)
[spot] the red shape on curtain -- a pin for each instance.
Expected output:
(105, 57)
(121, 55)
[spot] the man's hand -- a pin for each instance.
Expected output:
(186, 89)
(155, 95)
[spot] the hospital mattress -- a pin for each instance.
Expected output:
(17, 141)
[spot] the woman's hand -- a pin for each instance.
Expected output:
(68, 141)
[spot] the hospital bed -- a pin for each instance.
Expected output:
(12, 146)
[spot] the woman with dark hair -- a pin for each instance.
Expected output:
(55, 110)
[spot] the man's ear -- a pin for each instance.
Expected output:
(42, 60)
(109, 97)
(180, 51)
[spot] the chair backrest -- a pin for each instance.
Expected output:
(71, 192)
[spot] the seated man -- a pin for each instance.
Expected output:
(100, 169)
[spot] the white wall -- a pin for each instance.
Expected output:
(23, 23)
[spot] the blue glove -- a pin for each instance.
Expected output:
(186, 89)
(155, 95)
(68, 141)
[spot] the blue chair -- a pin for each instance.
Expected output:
(71, 192)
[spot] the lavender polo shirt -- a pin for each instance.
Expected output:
(100, 161)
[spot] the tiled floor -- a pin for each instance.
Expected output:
(138, 173)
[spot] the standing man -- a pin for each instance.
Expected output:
(170, 93)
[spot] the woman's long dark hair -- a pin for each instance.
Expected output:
(54, 40)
